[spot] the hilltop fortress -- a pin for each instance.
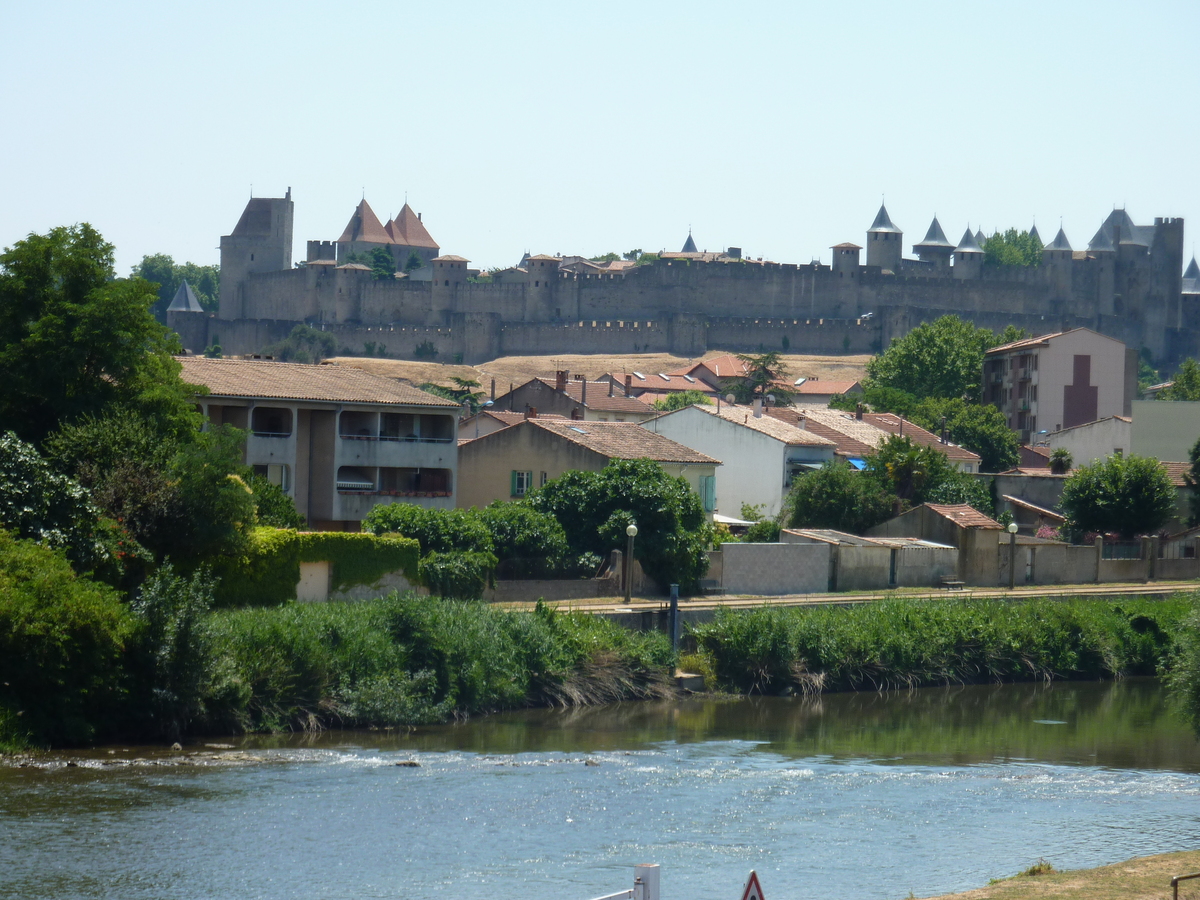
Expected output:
(1127, 284)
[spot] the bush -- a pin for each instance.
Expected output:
(272, 505)
(457, 575)
(837, 497)
(1184, 678)
(358, 559)
(62, 637)
(528, 543)
(436, 530)
(1126, 495)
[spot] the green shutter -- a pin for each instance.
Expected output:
(513, 483)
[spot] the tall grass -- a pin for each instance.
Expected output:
(403, 660)
(910, 643)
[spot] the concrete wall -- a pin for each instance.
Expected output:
(1096, 441)
(314, 585)
(1165, 429)
(1056, 370)
(775, 569)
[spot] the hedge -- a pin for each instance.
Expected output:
(267, 572)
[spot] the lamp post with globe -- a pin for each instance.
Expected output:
(1012, 555)
(630, 534)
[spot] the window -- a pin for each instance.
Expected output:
(708, 492)
(276, 474)
(521, 483)
(545, 478)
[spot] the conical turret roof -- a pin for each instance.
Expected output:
(1033, 232)
(408, 229)
(365, 226)
(935, 237)
(689, 246)
(980, 238)
(185, 299)
(1102, 242)
(968, 244)
(883, 222)
(1060, 241)
(1193, 270)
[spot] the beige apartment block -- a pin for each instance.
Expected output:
(338, 440)
(506, 464)
(1055, 381)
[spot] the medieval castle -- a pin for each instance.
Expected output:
(1128, 284)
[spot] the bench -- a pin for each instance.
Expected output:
(951, 585)
(711, 586)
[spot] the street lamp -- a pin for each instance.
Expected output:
(1012, 555)
(630, 534)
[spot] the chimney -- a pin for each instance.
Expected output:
(858, 411)
(510, 396)
(802, 423)
(628, 385)
(583, 392)
(493, 390)
(758, 407)
(530, 412)
(944, 430)
(612, 386)
(560, 380)
(901, 425)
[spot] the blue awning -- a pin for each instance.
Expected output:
(857, 463)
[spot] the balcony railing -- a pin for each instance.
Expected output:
(410, 439)
(272, 434)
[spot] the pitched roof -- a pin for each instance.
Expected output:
(598, 399)
(661, 382)
(622, 440)
(185, 300)
(689, 246)
(1193, 270)
(407, 229)
(1175, 471)
(1060, 241)
(450, 257)
(256, 218)
(823, 387)
(1033, 232)
(968, 244)
(846, 245)
(364, 226)
(728, 366)
(980, 238)
(934, 237)
(765, 424)
(251, 378)
(883, 222)
(844, 444)
(1043, 340)
(1102, 242)
(894, 424)
(964, 516)
(1033, 507)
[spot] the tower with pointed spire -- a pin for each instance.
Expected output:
(968, 257)
(884, 242)
(689, 246)
(935, 248)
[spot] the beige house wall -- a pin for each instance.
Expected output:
(485, 466)
(1165, 429)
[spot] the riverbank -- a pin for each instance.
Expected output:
(1140, 878)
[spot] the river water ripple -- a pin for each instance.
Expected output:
(869, 795)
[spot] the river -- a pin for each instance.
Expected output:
(848, 794)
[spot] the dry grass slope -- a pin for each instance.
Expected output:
(1141, 878)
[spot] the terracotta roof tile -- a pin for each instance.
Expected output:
(768, 425)
(365, 226)
(293, 381)
(1176, 471)
(598, 399)
(965, 516)
(409, 230)
(894, 424)
(823, 387)
(844, 445)
(623, 440)
(661, 381)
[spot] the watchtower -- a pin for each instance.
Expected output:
(935, 248)
(448, 273)
(260, 242)
(884, 242)
(968, 257)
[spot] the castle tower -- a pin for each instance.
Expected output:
(260, 242)
(409, 235)
(968, 257)
(884, 242)
(1103, 254)
(449, 272)
(689, 246)
(1058, 257)
(935, 248)
(845, 260)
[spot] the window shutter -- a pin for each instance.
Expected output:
(513, 483)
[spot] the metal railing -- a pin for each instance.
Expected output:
(1175, 883)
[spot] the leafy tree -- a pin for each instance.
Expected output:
(305, 344)
(528, 543)
(74, 339)
(215, 507)
(436, 530)
(606, 257)
(922, 474)
(1125, 495)
(766, 373)
(413, 262)
(382, 263)
(463, 392)
(981, 429)
(943, 358)
(681, 400)
(41, 505)
(594, 508)
(162, 270)
(1186, 385)
(836, 496)
(426, 350)
(878, 398)
(272, 505)
(1192, 479)
(1012, 248)
(1147, 374)
(1061, 461)
(633, 255)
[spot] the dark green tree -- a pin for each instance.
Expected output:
(682, 399)
(922, 474)
(1061, 461)
(305, 344)
(1192, 479)
(162, 270)
(436, 530)
(943, 358)
(766, 374)
(383, 264)
(1012, 248)
(1125, 495)
(75, 340)
(1186, 385)
(980, 428)
(528, 543)
(836, 496)
(594, 509)
(413, 262)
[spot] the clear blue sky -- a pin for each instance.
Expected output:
(589, 127)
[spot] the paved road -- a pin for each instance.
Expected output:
(645, 604)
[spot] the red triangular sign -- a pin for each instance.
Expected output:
(753, 889)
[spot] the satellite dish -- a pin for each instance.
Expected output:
(729, 398)
(770, 398)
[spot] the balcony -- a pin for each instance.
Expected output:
(396, 428)
(271, 422)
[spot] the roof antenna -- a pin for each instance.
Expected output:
(252, 190)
